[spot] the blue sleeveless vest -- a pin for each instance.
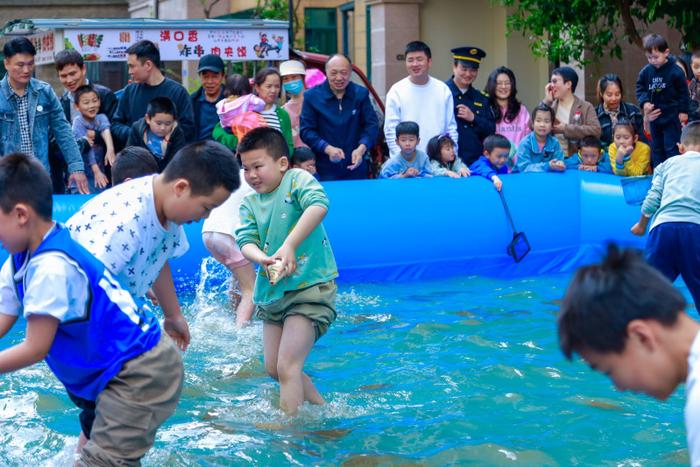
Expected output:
(89, 351)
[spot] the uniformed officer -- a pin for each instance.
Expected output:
(475, 120)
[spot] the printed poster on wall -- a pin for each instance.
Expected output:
(45, 47)
(109, 45)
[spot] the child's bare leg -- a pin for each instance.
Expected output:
(82, 440)
(246, 281)
(298, 337)
(311, 394)
(272, 334)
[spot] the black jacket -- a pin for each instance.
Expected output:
(197, 104)
(472, 134)
(177, 141)
(134, 103)
(666, 88)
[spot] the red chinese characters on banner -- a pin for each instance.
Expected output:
(125, 37)
(228, 52)
(47, 42)
(164, 36)
(216, 50)
(192, 36)
(179, 36)
(242, 51)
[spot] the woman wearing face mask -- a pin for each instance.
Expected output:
(293, 74)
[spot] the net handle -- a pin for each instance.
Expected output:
(505, 208)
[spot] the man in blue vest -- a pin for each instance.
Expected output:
(475, 120)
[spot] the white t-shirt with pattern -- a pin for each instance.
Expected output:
(121, 228)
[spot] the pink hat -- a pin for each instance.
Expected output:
(314, 77)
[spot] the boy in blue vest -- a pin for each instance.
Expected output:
(99, 343)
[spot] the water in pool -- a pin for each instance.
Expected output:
(457, 371)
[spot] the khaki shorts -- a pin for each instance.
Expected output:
(133, 406)
(316, 303)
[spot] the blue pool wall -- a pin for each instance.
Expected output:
(413, 229)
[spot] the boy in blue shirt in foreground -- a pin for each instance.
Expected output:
(493, 162)
(673, 245)
(411, 161)
(627, 321)
(98, 342)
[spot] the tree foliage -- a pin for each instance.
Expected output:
(272, 9)
(563, 30)
(279, 9)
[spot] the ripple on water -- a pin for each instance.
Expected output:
(456, 372)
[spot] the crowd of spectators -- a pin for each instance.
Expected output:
(332, 126)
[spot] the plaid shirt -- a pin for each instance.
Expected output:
(23, 115)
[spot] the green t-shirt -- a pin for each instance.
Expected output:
(267, 219)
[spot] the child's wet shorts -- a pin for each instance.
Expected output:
(224, 249)
(316, 303)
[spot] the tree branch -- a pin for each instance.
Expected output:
(207, 9)
(628, 22)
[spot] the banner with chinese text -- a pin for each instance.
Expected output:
(109, 45)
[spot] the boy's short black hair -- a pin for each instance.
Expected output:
(542, 107)
(496, 141)
(24, 180)
(690, 136)
(408, 128)
(18, 45)
(68, 57)
(590, 142)
(269, 139)
(302, 154)
(133, 162)
(145, 50)
(418, 46)
(82, 90)
(567, 74)
(161, 105)
(653, 42)
(206, 165)
(603, 298)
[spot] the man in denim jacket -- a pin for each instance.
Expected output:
(30, 113)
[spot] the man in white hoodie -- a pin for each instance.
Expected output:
(419, 98)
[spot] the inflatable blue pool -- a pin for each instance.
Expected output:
(414, 229)
(418, 365)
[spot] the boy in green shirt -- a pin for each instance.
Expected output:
(295, 290)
